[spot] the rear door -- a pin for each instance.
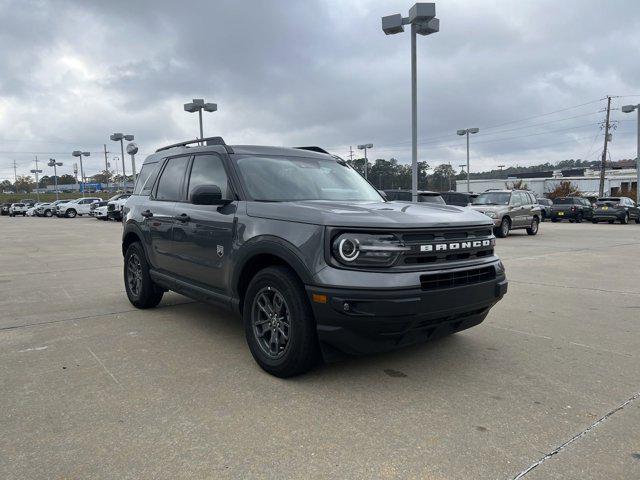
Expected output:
(517, 209)
(203, 234)
(159, 217)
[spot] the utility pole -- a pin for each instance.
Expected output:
(604, 151)
(15, 174)
(350, 154)
(106, 161)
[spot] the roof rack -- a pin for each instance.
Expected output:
(208, 140)
(312, 149)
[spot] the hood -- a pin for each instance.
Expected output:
(488, 208)
(368, 214)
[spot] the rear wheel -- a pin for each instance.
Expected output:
(279, 324)
(580, 217)
(554, 220)
(503, 230)
(611, 221)
(71, 213)
(638, 220)
(141, 290)
(533, 229)
(47, 213)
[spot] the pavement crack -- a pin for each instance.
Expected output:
(105, 368)
(601, 290)
(576, 437)
(86, 317)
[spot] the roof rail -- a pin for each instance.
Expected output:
(208, 140)
(312, 149)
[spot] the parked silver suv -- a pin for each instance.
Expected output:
(509, 210)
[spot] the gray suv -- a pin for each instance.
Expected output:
(305, 250)
(509, 210)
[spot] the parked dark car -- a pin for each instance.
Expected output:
(545, 206)
(611, 209)
(405, 196)
(574, 209)
(4, 208)
(311, 256)
(460, 199)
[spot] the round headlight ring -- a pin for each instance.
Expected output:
(349, 249)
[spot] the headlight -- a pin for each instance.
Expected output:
(365, 249)
(490, 214)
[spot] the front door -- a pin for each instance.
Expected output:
(203, 234)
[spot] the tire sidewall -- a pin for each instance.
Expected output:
(150, 295)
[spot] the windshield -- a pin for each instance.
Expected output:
(492, 198)
(281, 179)
(432, 199)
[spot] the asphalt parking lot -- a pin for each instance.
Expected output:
(93, 388)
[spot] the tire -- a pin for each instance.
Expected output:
(625, 219)
(611, 221)
(594, 221)
(48, 213)
(580, 218)
(543, 216)
(71, 213)
(141, 290)
(300, 351)
(554, 220)
(638, 220)
(24, 214)
(533, 229)
(503, 230)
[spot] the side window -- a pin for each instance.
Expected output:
(146, 179)
(170, 184)
(532, 199)
(209, 170)
(516, 199)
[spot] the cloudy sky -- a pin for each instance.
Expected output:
(529, 74)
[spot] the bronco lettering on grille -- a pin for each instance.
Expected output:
(445, 247)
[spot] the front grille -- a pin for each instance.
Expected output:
(437, 281)
(416, 240)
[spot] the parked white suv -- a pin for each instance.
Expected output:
(114, 207)
(79, 206)
(17, 209)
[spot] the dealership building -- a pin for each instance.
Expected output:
(587, 181)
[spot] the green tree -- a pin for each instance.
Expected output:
(66, 179)
(443, 178)
(6, 186)
(102, 177)
(25, 184)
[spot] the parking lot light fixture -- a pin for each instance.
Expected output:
(630, 109)
(54, 164)
(366, 161)
(80, 154)
(466, 132)
(120, 137)
(423, 21)
(198, 105)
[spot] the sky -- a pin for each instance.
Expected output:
(531, 75)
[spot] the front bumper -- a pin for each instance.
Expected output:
(358, 321)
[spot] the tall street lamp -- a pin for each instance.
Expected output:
(54, 164)
(80, 154)
(422, 20)
(366, 162)
(119, 137)
(629, 109)
(467, 132)
(197, 105)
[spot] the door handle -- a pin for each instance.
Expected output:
(147, 214)
(182, 217)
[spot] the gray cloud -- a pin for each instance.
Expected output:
(314, 72)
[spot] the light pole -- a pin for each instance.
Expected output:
(80, 154)
(467, 132)
(366, 161)
(629, 109)
(54, 164)
(132, 149)
(422, 20)
(119, 137)
(197, 105)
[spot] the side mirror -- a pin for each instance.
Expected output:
(208, 195)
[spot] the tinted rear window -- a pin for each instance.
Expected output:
(564, 201)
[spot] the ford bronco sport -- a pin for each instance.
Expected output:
(309, 253)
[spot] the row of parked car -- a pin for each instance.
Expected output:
(521, 209)
(90, 206)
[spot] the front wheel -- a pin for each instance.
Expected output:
(580, 217)
(533, 229)
(625, 219)
(70, 213)
(279, 324)
(503, 230)
(48, 213)
(141, 290)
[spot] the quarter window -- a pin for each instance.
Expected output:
(209, 170)
(170, 184)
